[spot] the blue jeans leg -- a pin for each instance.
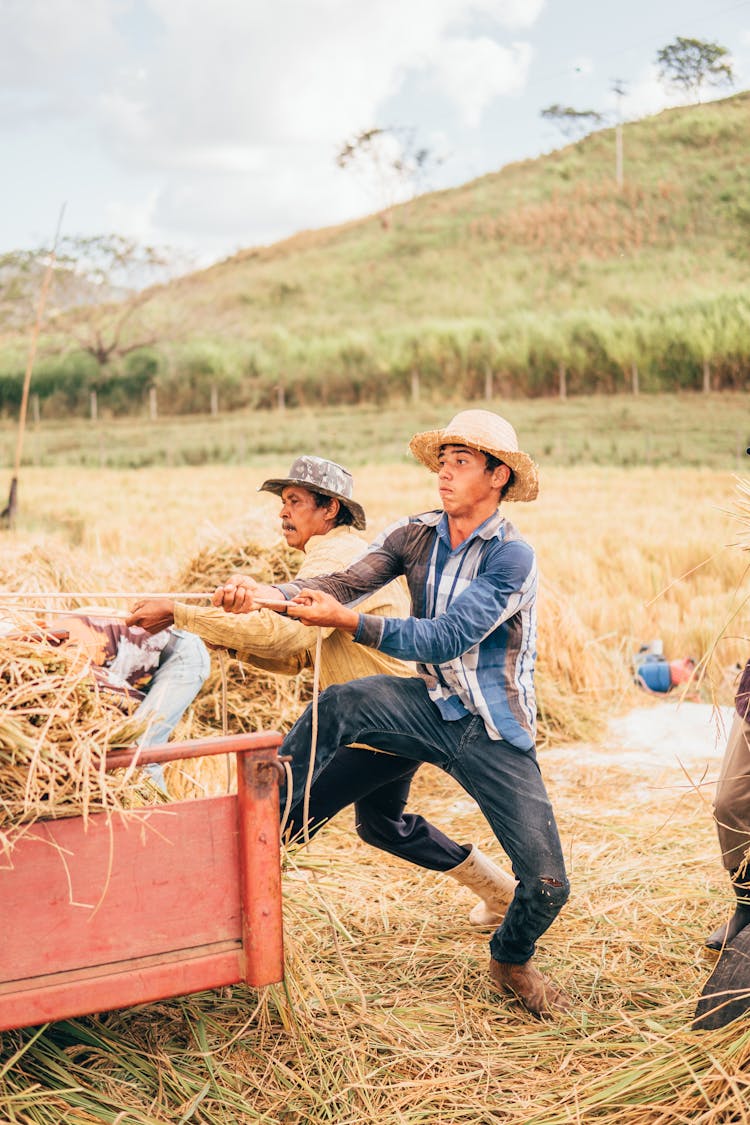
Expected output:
(397, 715)
(378, 786)
(177, 681)
(507, 785)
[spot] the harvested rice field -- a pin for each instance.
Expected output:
(386, 1014)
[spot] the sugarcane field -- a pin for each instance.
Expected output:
(385, 1012)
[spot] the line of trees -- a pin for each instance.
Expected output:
(700, 347)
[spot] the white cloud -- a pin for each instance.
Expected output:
(240, 73)
(44, 43)
(234, 111)
(471, 72)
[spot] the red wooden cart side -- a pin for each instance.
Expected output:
(129, 907)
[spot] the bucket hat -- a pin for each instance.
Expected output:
(326, 477)
(489, 433)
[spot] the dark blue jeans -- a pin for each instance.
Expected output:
(398, 715)
(378, 786)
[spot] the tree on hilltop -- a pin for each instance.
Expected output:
(689, 64)
(571, 122)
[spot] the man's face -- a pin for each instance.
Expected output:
(464, 483)
(301, 517)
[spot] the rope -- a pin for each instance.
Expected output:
(225, 711)
(188, 595)
(289, 794)
(313, 737)
(306, 819)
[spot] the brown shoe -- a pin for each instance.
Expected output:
(535, 991)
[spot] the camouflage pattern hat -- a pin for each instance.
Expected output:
(318, 475)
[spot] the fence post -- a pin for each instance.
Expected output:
(706, 377)
(563, 380)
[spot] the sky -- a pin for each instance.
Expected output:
(211, 126)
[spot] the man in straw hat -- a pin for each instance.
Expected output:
(471, 709)
(320, 517)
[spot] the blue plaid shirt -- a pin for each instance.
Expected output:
(473, 629)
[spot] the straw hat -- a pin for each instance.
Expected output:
(488, 432)
(318, 475)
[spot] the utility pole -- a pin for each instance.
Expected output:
(618, 89)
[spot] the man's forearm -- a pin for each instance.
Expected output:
(262, 633)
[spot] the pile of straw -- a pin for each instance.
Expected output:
(267, 559)
(236, 697)
(579, 680)
(54, 729)
(387, 1014)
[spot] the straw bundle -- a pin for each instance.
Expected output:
(54, 728)
(236, 697)
(579, 680)
(264, 557)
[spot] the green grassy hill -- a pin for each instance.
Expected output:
(542, 278)
(553, 232)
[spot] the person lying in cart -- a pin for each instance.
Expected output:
(163, 673)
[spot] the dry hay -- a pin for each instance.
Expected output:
(55, 725)
(54, 728)
(579, 680)
(266, 558)
(387, 1015)
(236, 697)
(741, 512)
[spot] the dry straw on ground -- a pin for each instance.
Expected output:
(387, 1014)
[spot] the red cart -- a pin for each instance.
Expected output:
(134, 906)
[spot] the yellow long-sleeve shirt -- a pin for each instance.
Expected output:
(277, 643)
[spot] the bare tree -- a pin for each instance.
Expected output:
(690, 64)
(392, 163)
(104, 282)
(108, 284)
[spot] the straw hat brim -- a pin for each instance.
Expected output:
(525, 483)
(278, 485)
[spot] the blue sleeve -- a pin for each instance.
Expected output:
(507, 583)
(376, 568)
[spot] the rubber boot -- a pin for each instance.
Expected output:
(741, 917)
(494, 886)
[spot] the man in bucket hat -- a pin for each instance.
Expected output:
(471, 709)
(320, 517)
